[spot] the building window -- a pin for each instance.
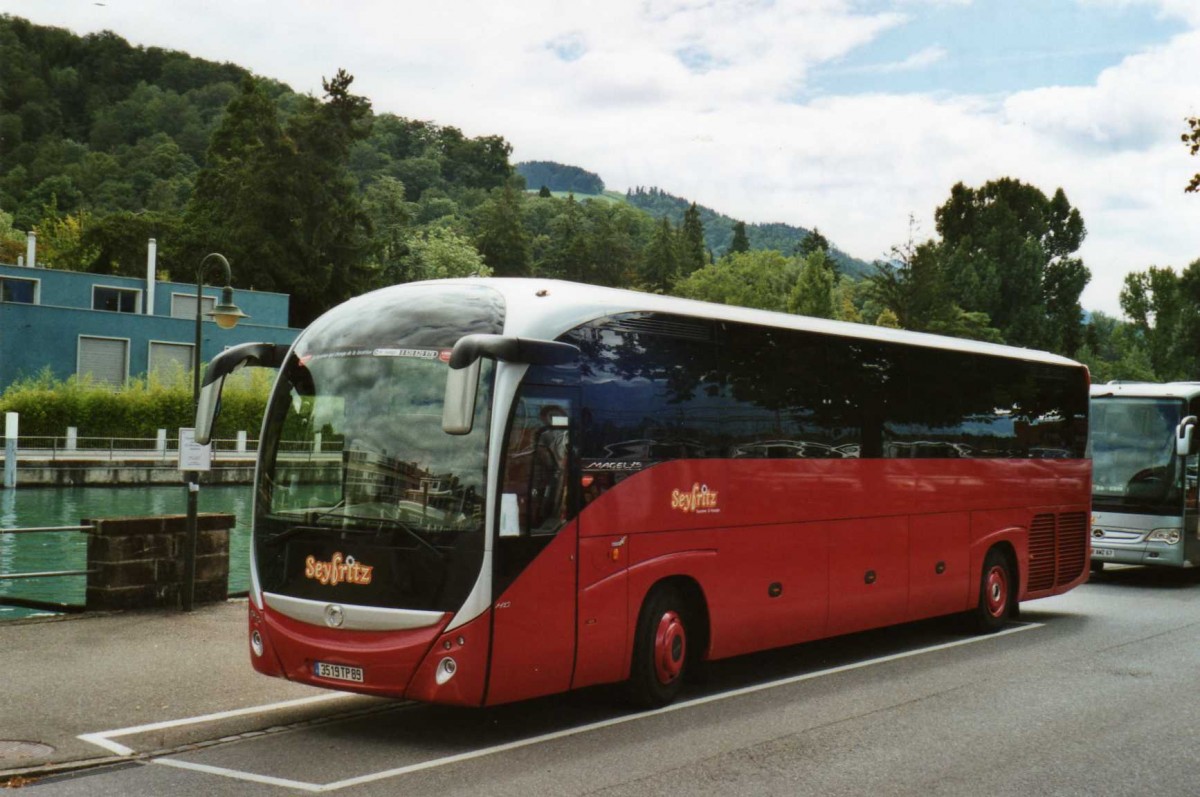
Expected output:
(183, 305)
(166, 358)
(116, 300)
(15, 289)
(106, 359)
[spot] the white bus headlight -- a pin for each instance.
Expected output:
(1169, 536)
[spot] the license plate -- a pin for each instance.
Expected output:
(338, 672)
(1103, 553)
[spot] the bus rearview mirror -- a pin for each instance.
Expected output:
(206, 409)
(208, 403)
(1184, 442)
(458, 411)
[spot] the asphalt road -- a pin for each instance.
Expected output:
(1093, 693)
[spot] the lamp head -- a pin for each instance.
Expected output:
(226, 314)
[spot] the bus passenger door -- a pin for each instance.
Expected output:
(533, 617)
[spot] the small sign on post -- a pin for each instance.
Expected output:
(193, 456)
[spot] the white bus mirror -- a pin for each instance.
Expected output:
(208, 403)
(458, 412)
(206, 410)
(1184, 443)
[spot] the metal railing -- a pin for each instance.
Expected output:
(31, 603)
(120, 448)
(46, 530)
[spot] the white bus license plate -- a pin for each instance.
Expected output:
(338, 672)
(1103, 553)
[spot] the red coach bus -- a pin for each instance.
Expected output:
(479, 491)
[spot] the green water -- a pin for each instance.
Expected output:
(40, 506)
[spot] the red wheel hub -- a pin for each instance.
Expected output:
(995, 588)
(670, 647)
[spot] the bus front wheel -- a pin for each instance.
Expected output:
(661, 654)
(997, 590)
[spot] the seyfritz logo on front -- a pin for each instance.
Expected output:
(700, 500)
(338, 570)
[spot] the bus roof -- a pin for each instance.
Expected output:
(1181, 390)
(545, 308)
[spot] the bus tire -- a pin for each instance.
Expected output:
(997, 593)
(661, 650)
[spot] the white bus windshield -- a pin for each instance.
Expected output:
(1134, 466)
(362, 497)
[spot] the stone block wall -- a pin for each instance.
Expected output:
(138, 561)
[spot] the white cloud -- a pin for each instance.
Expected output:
(700, 98)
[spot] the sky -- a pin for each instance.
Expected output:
(852, 116)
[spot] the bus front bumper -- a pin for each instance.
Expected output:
(1142, 553)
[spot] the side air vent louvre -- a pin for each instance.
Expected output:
(664, 325)
(1041, 553)
(1057, 549)
(1072, 545)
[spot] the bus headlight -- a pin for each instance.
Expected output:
(1169, 536)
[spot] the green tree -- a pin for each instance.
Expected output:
(390, 216)
(440, 253)
(813, 293)
(12, 241)
(571, 256)
(1113, 349)
(116, 243)
(763, 278)
(660, 263)
(692, 250)
(245, 204)
(813, 242)
(1151, 300)
(846, 301)
(1162, 309)
(1006, 249)
(544, 192)
(500, 235)
(740, 242)
(887, 319)
(334, 233)
(282, 204)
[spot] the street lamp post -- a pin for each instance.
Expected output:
(226, 314)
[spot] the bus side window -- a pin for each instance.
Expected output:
(536, 467)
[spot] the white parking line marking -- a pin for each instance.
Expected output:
(104, 738)
(549, 737)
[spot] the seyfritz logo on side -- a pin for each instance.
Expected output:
(338, 570)
(700, 500)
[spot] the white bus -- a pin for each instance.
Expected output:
(1144, 485)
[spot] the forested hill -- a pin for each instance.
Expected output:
(718, 229)
(559, 177)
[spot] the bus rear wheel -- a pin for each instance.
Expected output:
(997, 593)
(661, 655)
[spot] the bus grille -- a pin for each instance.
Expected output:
(1041, 553)
(1057, 549)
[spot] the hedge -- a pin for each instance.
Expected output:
(47, 405)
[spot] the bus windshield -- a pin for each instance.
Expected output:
(362, 498)
(1134, 466)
